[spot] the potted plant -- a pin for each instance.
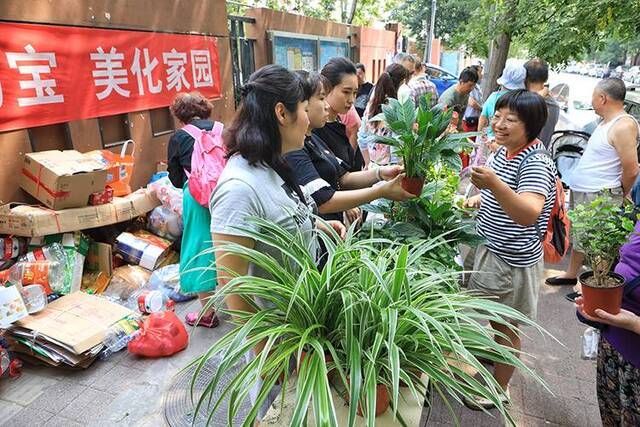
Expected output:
(600, 228)
(420, 138)
(373, 310)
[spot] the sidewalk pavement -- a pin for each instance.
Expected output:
(128, 391)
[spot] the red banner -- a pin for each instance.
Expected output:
(52, 74)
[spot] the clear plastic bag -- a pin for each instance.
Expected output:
(169, 196)
(167, 280)
(126, 283)
(165, 223)
(590, 340)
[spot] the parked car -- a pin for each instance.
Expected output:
(617, 72)
(576, 112)
(632, 75)
(632, 102)
(442, 78)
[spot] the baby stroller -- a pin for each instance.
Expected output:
(566, 149)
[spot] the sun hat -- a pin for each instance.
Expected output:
(513, 75)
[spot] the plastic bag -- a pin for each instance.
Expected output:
(169, 196)
(125, 284)
(590, 340)
(167, 280)
(165, 223)
(163, 334)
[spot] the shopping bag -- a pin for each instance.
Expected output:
(120, 167)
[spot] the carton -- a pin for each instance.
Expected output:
(78, 321)
(31, 221)
(62, 179)
(143, 249)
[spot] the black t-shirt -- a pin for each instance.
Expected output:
(179, 152)
(318, 171)
(362, 97)
(334, 135)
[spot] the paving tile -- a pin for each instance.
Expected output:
(87, 406)
(131, 406)
(25, 389)
(58, 396)
(59, 421)
(8, 410)
(28, 417)
(118, 380)
(86, 376)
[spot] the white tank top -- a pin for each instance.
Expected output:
(600, 166)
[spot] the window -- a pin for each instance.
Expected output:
(114, 130)
(161, 121)
(51, 137)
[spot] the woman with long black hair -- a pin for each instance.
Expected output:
(341, 82)
(322, 174)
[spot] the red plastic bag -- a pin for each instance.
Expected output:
(163, 334)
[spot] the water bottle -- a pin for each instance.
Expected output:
(153, 302)
(48, 274)
(11, 247)
(119, 335)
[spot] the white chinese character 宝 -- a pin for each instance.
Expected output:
(38, 63)
(109, 72)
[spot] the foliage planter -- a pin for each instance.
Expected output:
(327, 357)
(413, 185)
(416, 372)
(608, 299)
(382, 400)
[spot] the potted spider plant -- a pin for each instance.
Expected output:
(420, 138)
(601, 228)
(376, 312)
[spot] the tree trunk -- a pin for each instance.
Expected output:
(499, 47)
(498, 53)
(352, 12)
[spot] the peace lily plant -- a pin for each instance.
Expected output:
(375, 317)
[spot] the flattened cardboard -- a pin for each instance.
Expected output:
(33, 221)
(62, 179)
(78, 320)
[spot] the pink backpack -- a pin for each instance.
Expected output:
(207, 161)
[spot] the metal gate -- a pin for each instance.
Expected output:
(242, 53)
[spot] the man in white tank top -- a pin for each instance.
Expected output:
(609, 165)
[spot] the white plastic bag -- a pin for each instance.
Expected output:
(166, 223)
(170, 196)
(590, 340)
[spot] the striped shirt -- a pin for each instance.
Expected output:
(517, 245)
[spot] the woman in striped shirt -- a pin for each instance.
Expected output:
(517, 195)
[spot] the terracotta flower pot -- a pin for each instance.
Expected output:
(607, 299)
(382, 400)
(413, 185)
(328, 359)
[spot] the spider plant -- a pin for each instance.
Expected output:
(380, 317)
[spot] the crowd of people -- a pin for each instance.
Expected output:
(304, 143)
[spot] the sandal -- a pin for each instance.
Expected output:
(210, 321)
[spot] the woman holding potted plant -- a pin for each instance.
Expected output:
(322, 174)
(618, 373)
(257, 182)
(517, 194)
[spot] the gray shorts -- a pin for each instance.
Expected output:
(517, 287)
(579, 198)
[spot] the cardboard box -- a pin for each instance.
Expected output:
(143, 248)
(32, 221)
(62, 179)
(78, 320)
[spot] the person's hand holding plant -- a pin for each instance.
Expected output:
(387, 173)
(484, 178)
(625, 319)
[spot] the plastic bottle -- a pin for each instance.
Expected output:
(52, 252)
(49, 274)
(119, 335)
(153, 301)
(11, 247)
